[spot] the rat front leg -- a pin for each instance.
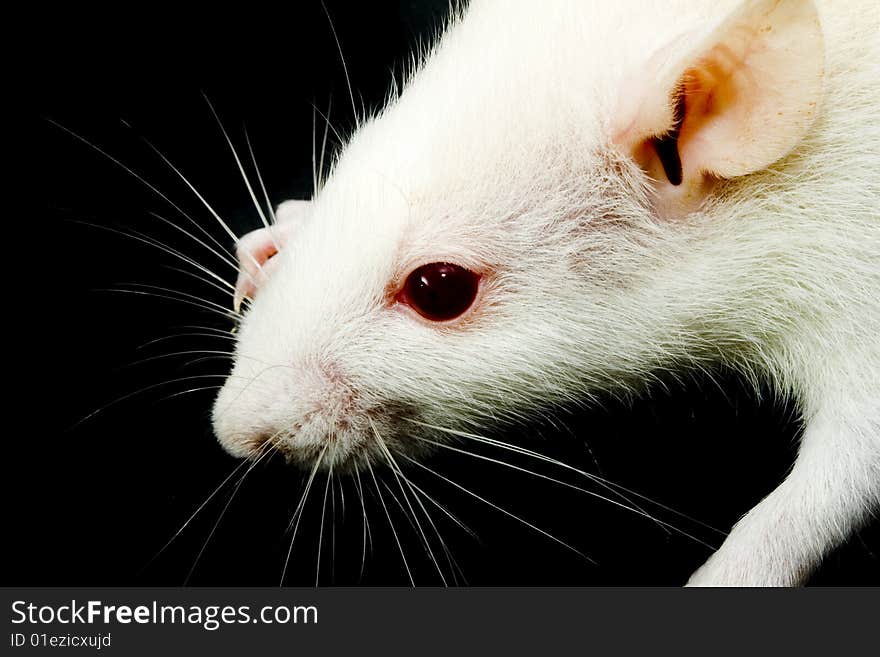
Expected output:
(255, 251)
(832, 488)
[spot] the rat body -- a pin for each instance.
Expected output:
(613, 190)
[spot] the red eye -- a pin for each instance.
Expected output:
(440, 291)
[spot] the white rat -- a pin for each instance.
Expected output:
(566, 198)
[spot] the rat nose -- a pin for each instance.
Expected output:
(296, 408)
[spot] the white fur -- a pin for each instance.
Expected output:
(497, 155)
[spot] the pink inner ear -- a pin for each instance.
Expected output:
(255, 252)
(750, 87)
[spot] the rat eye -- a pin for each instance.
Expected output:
(440, 291)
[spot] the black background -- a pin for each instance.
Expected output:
(93, 503)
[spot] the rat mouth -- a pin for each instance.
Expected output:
(318, 442)
(341, 444)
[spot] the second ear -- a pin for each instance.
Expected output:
(256, 250)
(734, 104)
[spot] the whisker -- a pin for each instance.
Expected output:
(188, 392)
(189, 352)
(397, 475)
(342, 497)
(201, 198)
(244, 177)
(143, 390)
(205, 359)
(222, 255)
(227, 288)
(332, 528)
(566, 484)
(542, 457)
(366, 524)
(153, 242)
(327, 126)
(410, 515)
(297, 514)
(446, 511)
(314, 152)
(138, 177)
(260, 179)
(183, 295)
(220, 334)
(453, 565)
(391, 524)
(344, 66)
(194, 514)
(321, 531)
(223, 313)
(498, 508)
(264, 449)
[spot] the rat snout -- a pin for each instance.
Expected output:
(306, 412)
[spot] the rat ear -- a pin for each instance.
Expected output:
(740, 99)
(256, 250)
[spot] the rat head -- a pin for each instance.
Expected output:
(504, 236)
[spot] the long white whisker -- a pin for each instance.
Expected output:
(566, 484)
(183, 295)
(321, 531)
(542, 457)
(390, 523)
(190, 352)
(226, 288)
(247, 182)
(265, 448)
(498, 508)
(327, 126)
(453, 565)
(189, 392)
(397, 475)
(314, 152)
(446, 511)
(366, 524)
(203, 306)
(410, 514)
(156, 244)
(194, 514)
(297, 514)
(203, 327)
(344, 66)
(205, 359)
(139, 178)
(143, 390)
(201, 198)
(342, 497)
(222, 255)
(332, 529)
(260, 179)
(224, 335)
